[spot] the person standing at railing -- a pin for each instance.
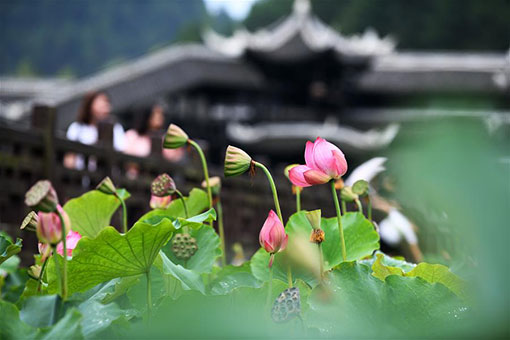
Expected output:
(151, 123)
(95, 108)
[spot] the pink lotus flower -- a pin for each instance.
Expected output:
(160, 202)
(272, 236)
(324, 161)
(49, 228)
(71, 241)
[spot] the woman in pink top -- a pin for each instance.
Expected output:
(138, 141)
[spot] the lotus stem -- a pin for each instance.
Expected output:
(321, 259)
(64, 255)
(360, 207)
(183, 203)
(124, 214)
(206, 171)
(298, 199)
(222, 232)
(339, 218)
(270, 290)
(344, 207)
(149, 294)
(39, 281)
(369, 208)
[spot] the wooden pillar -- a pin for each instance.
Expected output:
(43, 119)
(105, 141)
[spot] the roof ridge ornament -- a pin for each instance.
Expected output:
(302, 7)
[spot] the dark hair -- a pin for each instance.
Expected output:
(85, 113)
(144, 116)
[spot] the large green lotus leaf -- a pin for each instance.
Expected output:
(97, 316)
(11, 326)
(387, 260)
(353, 298)
(233, 277)
(69, 327)
(39, 311)
(209, 250)
(8, 248)
(433, 273)
(111, 255)
(361, 240)
(189, 279)
(91, 212)
(196, 203)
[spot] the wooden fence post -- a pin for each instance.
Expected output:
(43, 118)
(105, 141)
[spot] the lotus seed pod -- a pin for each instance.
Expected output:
(30, 221)
(360, 187)
(106, 186)
(42, 197)
(287, 305)
(317, 236)
(237, 161)
(184, 246)
(175, 137)
(163, 185)
(314, 217)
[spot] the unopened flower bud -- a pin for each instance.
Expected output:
(163, 186)
(49, 227)
(347, 195)
(42, 197)
(175, 137)
(314, 217)
(30, 221)
(272, 236)
(107, 187)
(44, 250)
(237, 162)
(360, 187)
(160, 202)
(215, 183)
(317, 236)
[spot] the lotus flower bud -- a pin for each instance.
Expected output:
(49, 227)
(314, 217)
(107, 187)
(287, 169)
(71, 241)
(237, 162)
(272, 236)
(347, 195)
(360, 187)
(163, 186)
(42, 197)
(215, 183)
(30, 221)
(175, 137)
(160, 202)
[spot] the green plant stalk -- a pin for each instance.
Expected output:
(369, 208)
(149, 294)
(298, 199)
(206, 171)
(64, 256)
(222, 232)
(339, 218)
(57, 269)
(270, 290)
(344, 207)
(273, 188)
(321, 260)
(360, 207)
(183, 203)
(277, 206)
(124, 214)
(39, 281)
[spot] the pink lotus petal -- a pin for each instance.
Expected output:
(314, 177)
(341, 163)
(296, 176)
(309, 155)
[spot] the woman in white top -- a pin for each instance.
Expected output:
(94, 109)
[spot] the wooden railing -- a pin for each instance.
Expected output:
(38, 153)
